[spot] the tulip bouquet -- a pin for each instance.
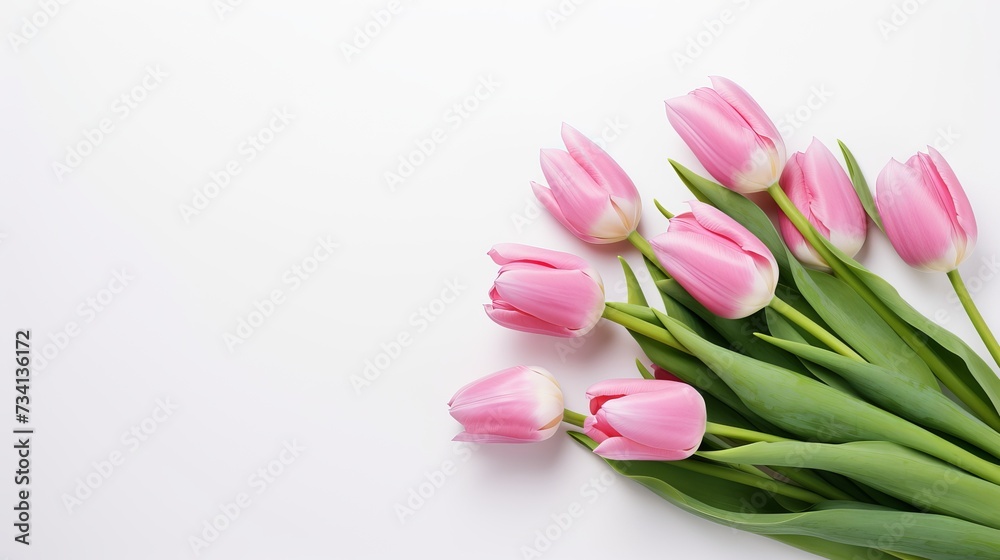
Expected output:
(793, 393)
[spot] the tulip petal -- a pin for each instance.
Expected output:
(518, 403)
(669, 419)
(622, 449)
(504, 316)
(604, 170)
(506, 253)
(597, 428)
(720, 140)
(819, 187)
(750, 110)
(916, 225)
(958, 201)
(562, 297)
(614, 388)
(575, 190)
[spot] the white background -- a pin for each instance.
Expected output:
(894, 81)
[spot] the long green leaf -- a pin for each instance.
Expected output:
(812, 410)
(899, 394)
(739, 333)
(853, 530)
(859, 325)
(783, 328)
(962, 359)
(927, 483)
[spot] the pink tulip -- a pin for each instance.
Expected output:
(927, 216)
(516, 405)
(820, 188)
(730, 135)
(545, 292)
(590, 193)
(645, 419)
(719, 262)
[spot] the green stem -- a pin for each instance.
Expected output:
(646, 249)
(811, 327)
(740, 434)
(974, 315)
(767, 484)
(574, 418)
(639, 326)
(980, 408)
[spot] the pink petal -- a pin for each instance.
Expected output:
(915, 223)
(718, 262)
(581, 199)
(614, 388)
(597, 428)
(820, 188)
(602, 167)
(719, 138)
(670, 419)
(567, 298)
(504, 316)
(751, 112)
(519, 403)
(544, 195)
(622, 449)
(951, 189)
(505, 253)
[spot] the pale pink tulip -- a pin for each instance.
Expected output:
(820, 188)
(543, 291)
(718, 261)
(645, 419)
(730, 135)
(590, 194)
(516, 405)
(927, 216)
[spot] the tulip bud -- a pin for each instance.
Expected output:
(820, 188)
(590, 193)
(645, 419)
(730, 135)
(927, 216)
(545, 292)
(718, 261)
(516, 405)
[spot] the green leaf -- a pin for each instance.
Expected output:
(861, 186)
(643, 370)
(812, 410)
(922, 481)
(783, 328)
(635, 295)
(857, 324)
(738, 333)
(840, 530)
(900, 394)
(963, 360)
